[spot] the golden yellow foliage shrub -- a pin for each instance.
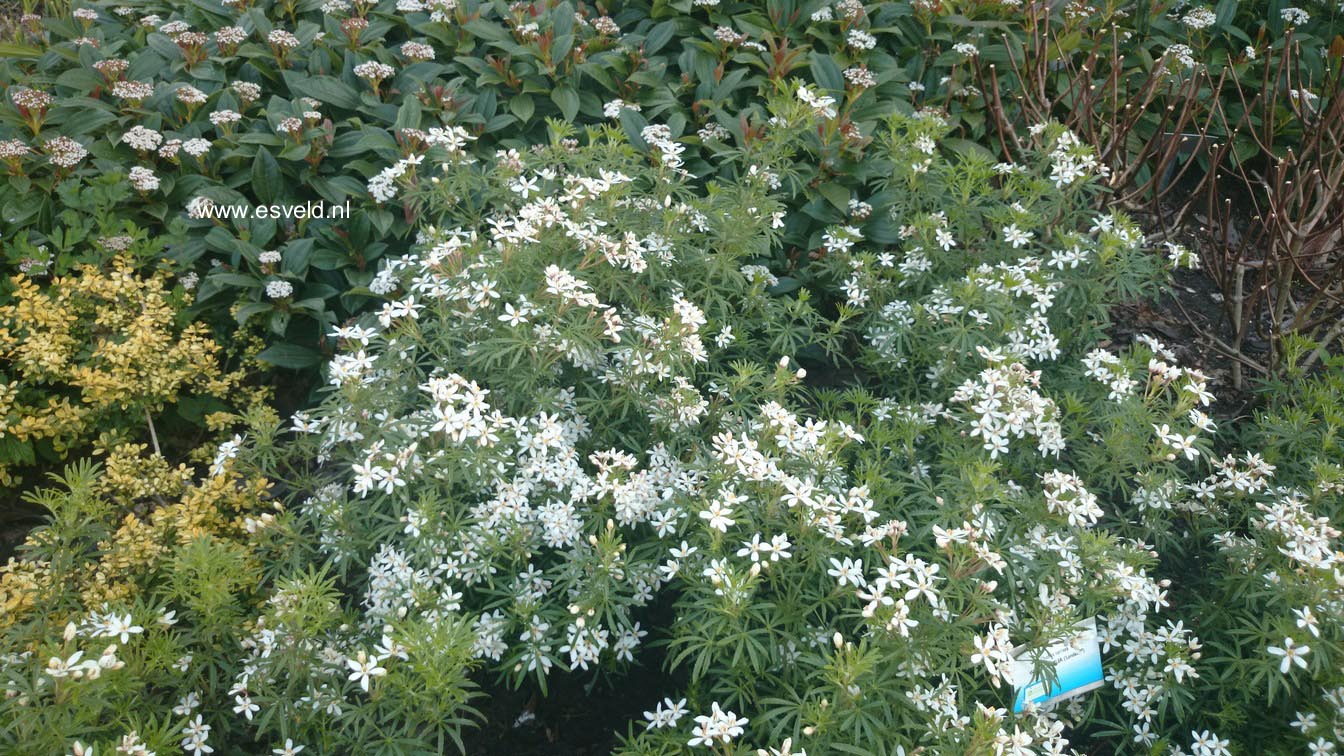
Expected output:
(111, 539)
(97, 353)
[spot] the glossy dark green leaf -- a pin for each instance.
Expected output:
(266, 177)
(290, 356)
(567, 100)
(327, 89)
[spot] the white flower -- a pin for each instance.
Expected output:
(196, 147)
(718, 726)
(718, 516)
(364, 669)
(860, 39)
(374, 71)
(143, 179)
(279, 288)
(513, 316)
(785, 749)
(1307, 621)
(1291, 653)
(823, 106)
(1199, 18)
(1207, 743)
(120, 627)
(244, 705)
(1016, 236)
(1295, 16)
(191, 95)
(613, 108)
(224, 117)
(196, 731)
(1181, 54)
(665, 714)
(282, 39)
(847, 572)
(417, 51)
(142, 139)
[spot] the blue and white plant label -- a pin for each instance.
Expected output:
(1077, 663)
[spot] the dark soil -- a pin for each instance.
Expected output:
(568, 721)
(1187, 318)
(581, 711)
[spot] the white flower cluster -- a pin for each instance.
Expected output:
(64, 152)
(142, 139)
(822, 106)
(1199, 18)
(1066, 496)
(143, 179)
(1072, 161)
(278, 288)
(1004, 404)
(660, 138)
(374, 71)
(451, 140)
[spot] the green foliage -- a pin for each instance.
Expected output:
(756, 341)
(318, 121)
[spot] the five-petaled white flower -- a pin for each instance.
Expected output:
(363, 669)
(1291, 653)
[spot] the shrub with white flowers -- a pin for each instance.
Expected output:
(812, 406)
(582, 400)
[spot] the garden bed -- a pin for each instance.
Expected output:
(687, 377)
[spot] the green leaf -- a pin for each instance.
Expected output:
(328, 89)
(248, 310)
(266, 176)
(567, 100)
(296, 256)
(11, 50)
(279, 322)
(290, 356)
(335, 189)
(827, 73)
(522, 107)
(835, 194)
(659, 36)
(382, 221)
(408, 116)
(633, 123)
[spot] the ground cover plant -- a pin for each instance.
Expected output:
(764, 354)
